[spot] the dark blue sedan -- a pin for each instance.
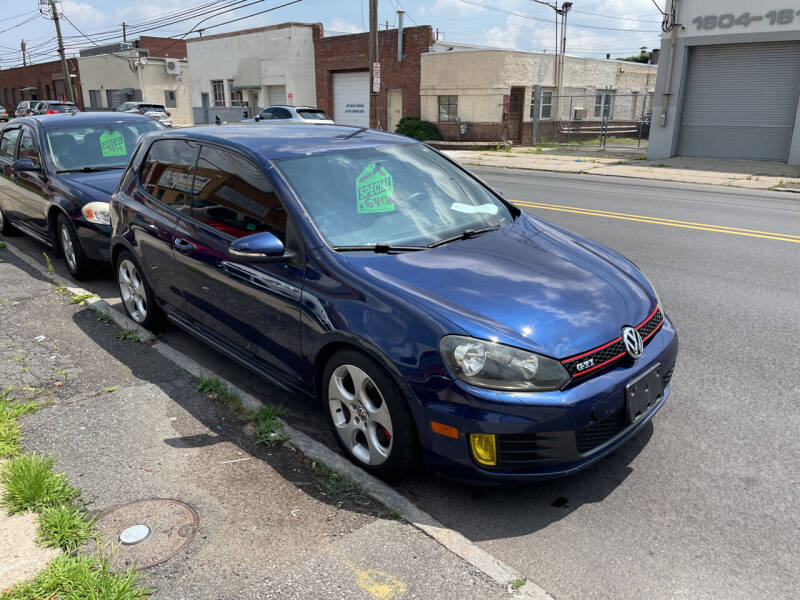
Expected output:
(58, 172)
(424, 311)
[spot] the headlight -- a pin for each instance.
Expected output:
(499, 367)
(97, 212)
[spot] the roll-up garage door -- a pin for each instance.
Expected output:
(351, 98)
(740, 101)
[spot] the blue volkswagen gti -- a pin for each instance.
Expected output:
(58, 172)
(424, 311)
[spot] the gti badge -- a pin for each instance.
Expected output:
(633, 342)
(582, 366)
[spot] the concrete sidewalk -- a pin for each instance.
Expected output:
(125, 425)
(751, 174)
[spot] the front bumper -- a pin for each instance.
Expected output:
(95, 239)
(540, 435)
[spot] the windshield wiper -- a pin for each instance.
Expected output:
(464, 235)
(89, 169)
(380, 247)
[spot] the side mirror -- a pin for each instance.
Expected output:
(257, 118)
(25, 164)
(259, 247)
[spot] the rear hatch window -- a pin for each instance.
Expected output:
(313, 114)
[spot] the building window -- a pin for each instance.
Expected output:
(448, 108)
(14, 95)
(47, 92)
(170, 101)
(602, 105)
(236, 95)
(218, 92)
(95, 99)
(545, 105)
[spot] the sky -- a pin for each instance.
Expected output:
(595, 27)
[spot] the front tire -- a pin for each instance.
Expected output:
(369, 415)
(136, 294)
(72, 251)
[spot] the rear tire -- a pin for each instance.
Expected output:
(369, 415)
(136, 294)
(70, 246)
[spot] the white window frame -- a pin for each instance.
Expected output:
(236, 98)
(217, 93)
(544, 93)
(603, 101)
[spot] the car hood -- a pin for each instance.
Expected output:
(528, 284)
(97, 186)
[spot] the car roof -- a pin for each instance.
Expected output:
(292, 106)
(270, 141)
(83, 118)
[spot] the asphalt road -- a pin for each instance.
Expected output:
(703, 503)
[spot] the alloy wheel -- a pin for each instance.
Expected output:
(360, 414)
(132, 291)
(67, 248)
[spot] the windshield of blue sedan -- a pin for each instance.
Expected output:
(98, 146)
(402, 195)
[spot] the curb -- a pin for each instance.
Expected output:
(496, 570)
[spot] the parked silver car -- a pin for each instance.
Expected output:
(156, 111)
(283, 113)
(3, 114)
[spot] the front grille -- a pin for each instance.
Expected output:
(612, 351)
(594, 434)
(668, 376)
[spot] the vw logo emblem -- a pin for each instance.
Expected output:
(633, 342)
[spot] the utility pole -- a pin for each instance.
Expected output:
(67, 79)
(22, 47)
(558, 56)
(124, 33)
(565, 6)
(373, 60)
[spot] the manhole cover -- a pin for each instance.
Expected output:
(151, 531)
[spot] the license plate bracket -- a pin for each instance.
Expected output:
(643, 393)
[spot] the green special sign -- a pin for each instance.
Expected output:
(112, 144)
(374, 190)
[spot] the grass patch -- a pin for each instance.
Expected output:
(10, 411)
(60, 289)
(340, 488)
(2, 245)
(64, 527)
(516, 584)
(111, 388)
(30, 484)
(216, 390)
(81, 298)
(130, 335)
(74, 577)
(268, 425)
(105, 317)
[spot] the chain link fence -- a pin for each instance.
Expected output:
(604, 119)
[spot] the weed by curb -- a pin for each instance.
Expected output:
(269, 428)
(216, 390)
(81, 298)
(130, 335)
(30, 484)
(10, 411)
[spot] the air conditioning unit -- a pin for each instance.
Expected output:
(578, 114)
(173, 67)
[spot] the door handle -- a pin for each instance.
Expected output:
(183, 246)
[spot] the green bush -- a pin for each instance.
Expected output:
(419, 130)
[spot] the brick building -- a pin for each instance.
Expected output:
(342, 74)
(43, 81)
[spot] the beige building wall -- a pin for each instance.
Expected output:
(482, 77)
(148, 74)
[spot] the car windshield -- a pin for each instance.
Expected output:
(313, 114)
(402, 195)
(97, 146)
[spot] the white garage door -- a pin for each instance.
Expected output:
(740, 101)
(351, 98)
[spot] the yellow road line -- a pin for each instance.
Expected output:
(783, 237)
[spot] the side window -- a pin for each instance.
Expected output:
(27, 145)
(168, 170)
(8, 143)
(267, 113)
(281, 113)
(234, 196)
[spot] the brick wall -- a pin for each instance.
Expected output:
(351, 53)
(163, 47)
(42, 76)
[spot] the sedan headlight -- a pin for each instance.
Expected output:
(97, 212)
(500, 367)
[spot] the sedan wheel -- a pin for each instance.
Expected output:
(67, 248)
(369, 415)
(360, 415)
(69, 244)
(132, 291)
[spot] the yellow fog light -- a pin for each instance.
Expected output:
(483, 448)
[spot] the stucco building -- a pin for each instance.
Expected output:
(728, 82)
(485, 94)
(243, 71)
